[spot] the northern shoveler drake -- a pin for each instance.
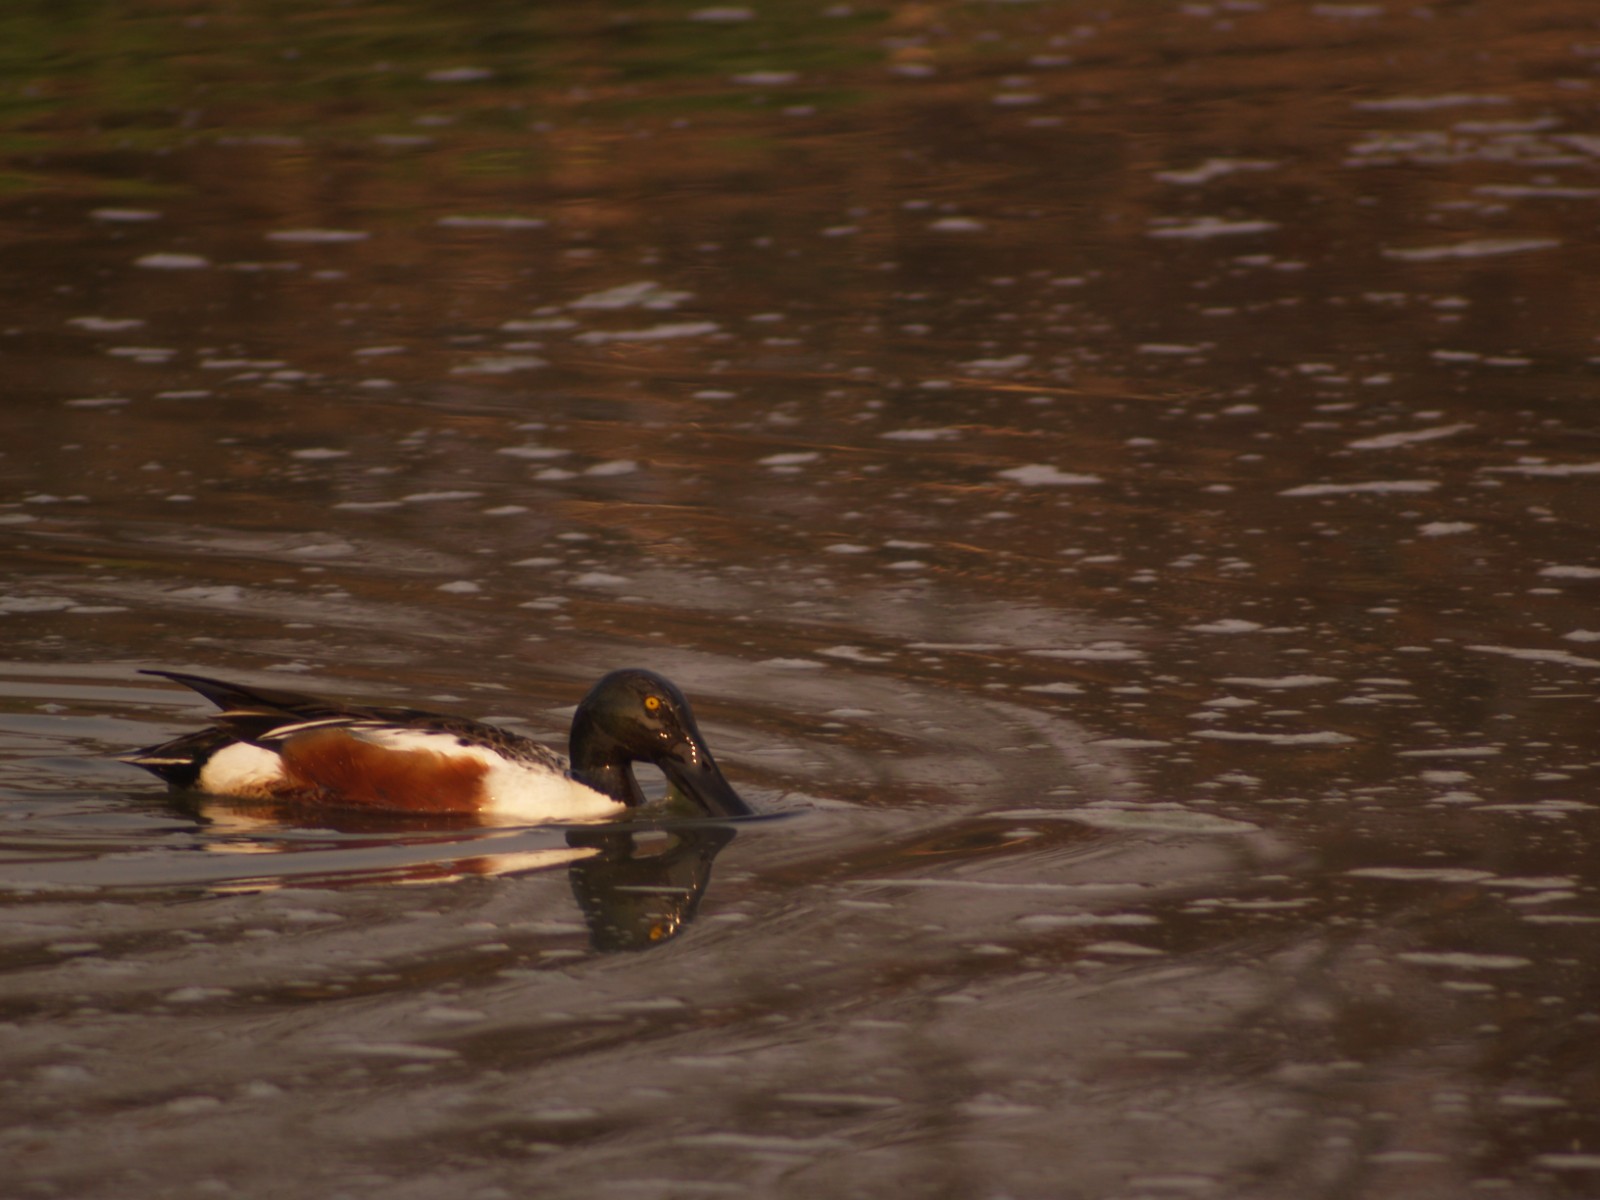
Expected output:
(272, 745)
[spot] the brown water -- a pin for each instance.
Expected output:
(1118, 479)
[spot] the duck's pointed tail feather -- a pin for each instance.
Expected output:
(235, 695)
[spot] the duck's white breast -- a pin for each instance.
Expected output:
(522, 793)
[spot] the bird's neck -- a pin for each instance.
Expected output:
(614, 778)
(599, 761)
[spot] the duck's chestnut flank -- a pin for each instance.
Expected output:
(278, 745)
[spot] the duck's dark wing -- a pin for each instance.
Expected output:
(180, 761)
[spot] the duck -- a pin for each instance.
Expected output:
(289, 748)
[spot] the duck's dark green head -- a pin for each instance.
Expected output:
(637, 716)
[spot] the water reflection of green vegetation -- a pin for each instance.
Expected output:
(136, 75)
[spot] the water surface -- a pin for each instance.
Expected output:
(1118, 486)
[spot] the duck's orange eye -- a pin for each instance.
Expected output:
(652, 704)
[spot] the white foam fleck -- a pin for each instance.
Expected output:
(105, 324)
(921, 435)
(991, 885)
(172, 261)
(853, 654)
(318, 236)
(643, 294)
(1530, 1100)
(500, 364)
(34, 604)
(1123, 949)
(538, 325)
(493, 222)
(1427, 103)
(1201, 228)
(1176, 349)
(196, 995)
(1214, 168)
(1278, 682)
(143, 354)
(789, 460)
(1372, 486)
(459, 75)
(1563, 657)
(1570, 572)
(1474, 248)
(1548, 470)
(1519, 191)
(1557, 809)
(1543, 898)
(1325, 737)
(766, 78)
(1445, 528)
(436, 497)
(124, 215)
(1099, 652)
(1044, 475)
(1153, 818)
(1465, 961)
(1568, 1162)
(1407, 437)
(1422, 874)
(997, 366)
(613, 467)
(241, 364)
(223, 594)
(957, 225)
(654, 333)
(1227, 625)
(532, 452)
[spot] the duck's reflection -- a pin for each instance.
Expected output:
(637, 884)
(640, 889)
